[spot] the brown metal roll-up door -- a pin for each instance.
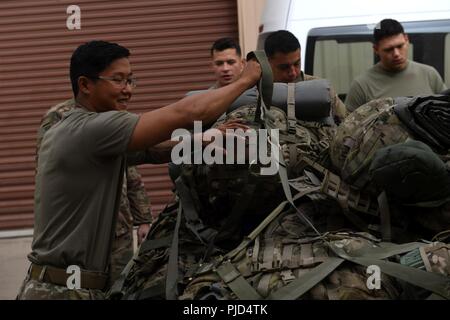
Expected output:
(169, 41)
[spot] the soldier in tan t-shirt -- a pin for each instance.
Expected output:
(394, 75)
(134, 206)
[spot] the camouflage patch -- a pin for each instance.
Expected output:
(436, 257)
(36, 290)
(370, 127)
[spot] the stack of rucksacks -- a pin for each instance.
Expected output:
(370, 195)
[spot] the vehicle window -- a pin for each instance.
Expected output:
(341, 62)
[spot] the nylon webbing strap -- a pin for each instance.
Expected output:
(155, 244)
(193, 222)
(117, 287)
(237, 283)
(434, 282)
(116, 291)
(286, 188)
(434, 296)
(334, 186)
(172, 266)
(265, 84)
(265, 87)
(305, 282)
(252, 236)
(292, 120)
(387, 250)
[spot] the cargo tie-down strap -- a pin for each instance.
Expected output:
(265, 89)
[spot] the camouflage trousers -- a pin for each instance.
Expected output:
(122, 252)
(38, 290)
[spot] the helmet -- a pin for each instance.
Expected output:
(411, 173)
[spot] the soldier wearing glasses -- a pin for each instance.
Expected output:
(134, 209)
(81, 165)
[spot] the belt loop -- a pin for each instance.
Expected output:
(41, 276)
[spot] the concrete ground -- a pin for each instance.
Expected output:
(13, 265)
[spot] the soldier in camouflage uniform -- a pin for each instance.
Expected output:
(283, 51)
(134, 207)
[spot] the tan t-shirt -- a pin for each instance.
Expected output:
(78, 185)
(415, 79)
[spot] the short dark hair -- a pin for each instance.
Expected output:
(387, 28)
(225, 43)
(93, 57)
(281, 41)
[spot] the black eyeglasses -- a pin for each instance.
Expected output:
(120, 82)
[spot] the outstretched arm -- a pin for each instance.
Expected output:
(157, 126)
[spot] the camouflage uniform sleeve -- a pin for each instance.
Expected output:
(52, 116)
(137, 197)
(48, 121)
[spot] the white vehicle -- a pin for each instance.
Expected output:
(335, 36)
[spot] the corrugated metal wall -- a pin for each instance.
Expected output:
(169, 41)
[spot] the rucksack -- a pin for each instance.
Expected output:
(412, 174)
(280, 261)
(376, 126)
(385, 122)
(283, 259)
(364, 131)
(178, 257)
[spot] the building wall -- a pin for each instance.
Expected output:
(249, 16)
(169, 41)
